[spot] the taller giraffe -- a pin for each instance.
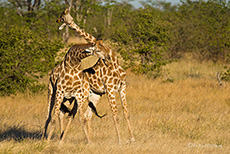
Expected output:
(106, 76)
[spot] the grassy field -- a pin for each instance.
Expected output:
(190, 115)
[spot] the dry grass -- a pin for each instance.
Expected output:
(190, 115)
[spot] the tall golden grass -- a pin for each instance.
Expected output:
(190, 115)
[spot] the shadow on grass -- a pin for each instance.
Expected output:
(18, 134)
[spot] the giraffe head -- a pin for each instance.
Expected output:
(105, 50)
(65, 18)
(93, 50)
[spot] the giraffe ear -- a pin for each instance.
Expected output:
(89, 50)
(66, 11)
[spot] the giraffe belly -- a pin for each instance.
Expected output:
(68, 95)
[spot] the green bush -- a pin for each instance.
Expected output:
(226, 74)
(145, 39)
(203, 27)
(25, 57)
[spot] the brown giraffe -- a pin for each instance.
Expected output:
(106, 76)
(66, 83)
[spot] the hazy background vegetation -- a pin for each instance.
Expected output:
(147, 38)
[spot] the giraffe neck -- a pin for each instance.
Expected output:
(112, 56)
(82, 33)
(76, 54)
(93, 40)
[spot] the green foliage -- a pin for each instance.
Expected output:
(146, 35)
(226, 74)
(25, 57)
(202, 27)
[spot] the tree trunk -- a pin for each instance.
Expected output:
(65, 35)
(77, 6)
(85, 17)
(109, 16)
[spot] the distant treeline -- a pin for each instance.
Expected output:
(148, 37)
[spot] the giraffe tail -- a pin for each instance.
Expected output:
(95, 110)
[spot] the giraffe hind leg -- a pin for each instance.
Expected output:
(125, 110)
(71, 115)
(113, 105)
(51, 100)
(57, 105)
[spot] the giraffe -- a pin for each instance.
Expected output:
(106, 76)
(66, 83)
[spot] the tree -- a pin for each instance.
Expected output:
(22, 4)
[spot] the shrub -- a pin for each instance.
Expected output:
(226, 74)
(202, 27)
(25, 57)
(145, 40)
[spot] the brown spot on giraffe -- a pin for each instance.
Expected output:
(72, 72)
(62, 74)
(76, 77)
(115, 81)
(76, 83)
(68, 83)
(66, 77)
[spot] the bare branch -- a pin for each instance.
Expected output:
(18, 6)
(19, 3)
(66, 2)
(18, 11)
(36, 3)
(29, 5)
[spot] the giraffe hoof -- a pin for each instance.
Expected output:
(132, 139)
(90, 143)
(61, 143)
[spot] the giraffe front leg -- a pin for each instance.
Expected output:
(111, 97)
